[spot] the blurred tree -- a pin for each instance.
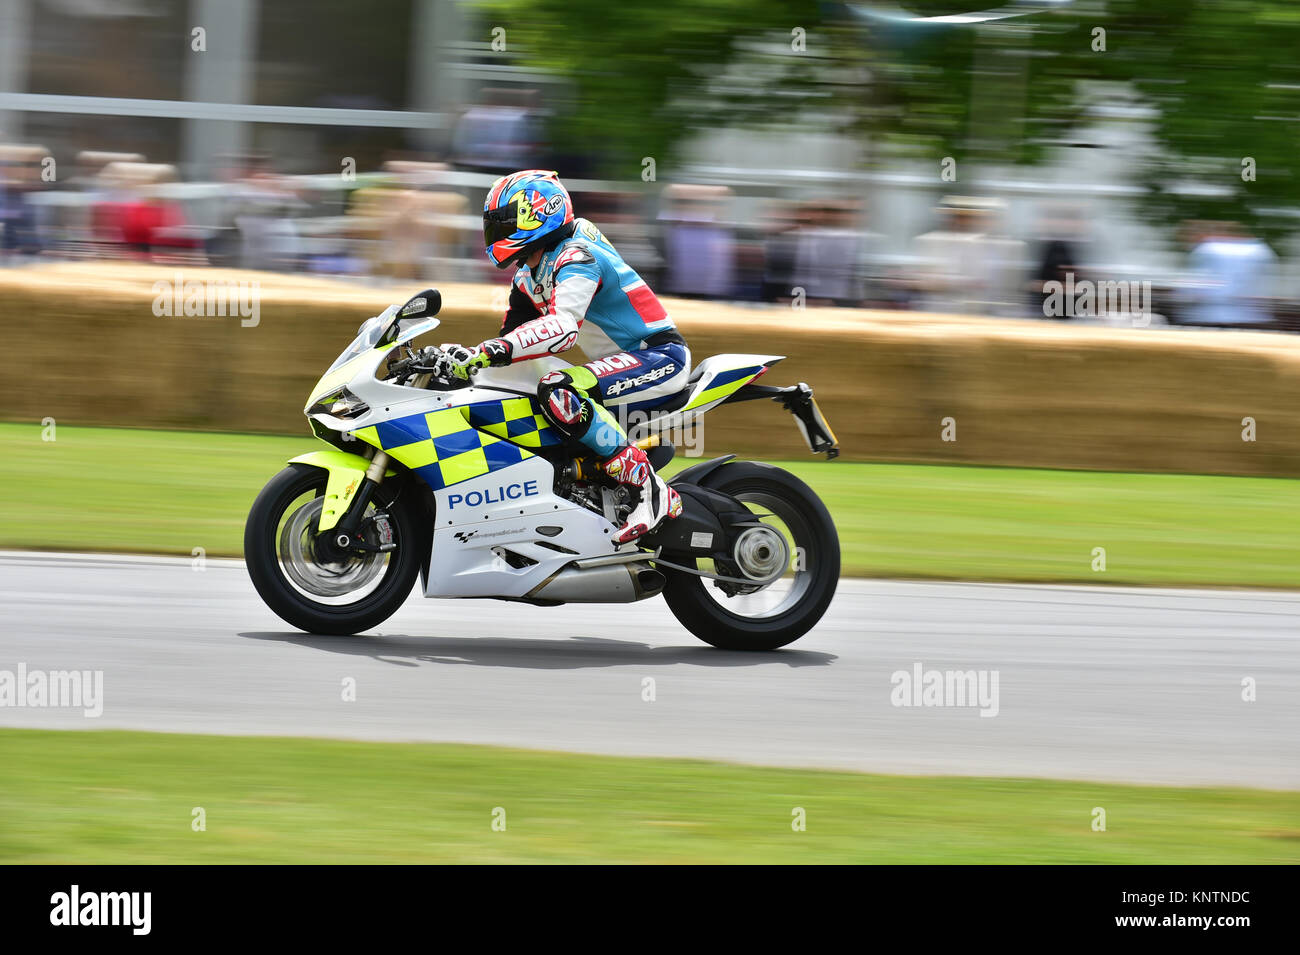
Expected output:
(1221, 78)
(1224, 79)
(645, 75)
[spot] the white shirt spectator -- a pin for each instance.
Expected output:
(1233, 278)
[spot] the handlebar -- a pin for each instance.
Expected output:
(429, 361)
(397, 369)
(417, 364)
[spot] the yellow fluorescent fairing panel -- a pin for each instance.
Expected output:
(723, 384)
(345, 471)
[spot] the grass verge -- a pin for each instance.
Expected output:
(118, 797)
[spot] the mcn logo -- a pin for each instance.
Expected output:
(613, 363)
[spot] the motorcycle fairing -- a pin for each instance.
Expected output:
(345, 472)
(442, 447)
(517, 420)
(720, 376)
(499, 528)
(506, 533)
(360, 359)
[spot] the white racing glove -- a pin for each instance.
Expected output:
(464, 361)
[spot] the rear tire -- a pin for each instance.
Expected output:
(264, 542)
(815, 543)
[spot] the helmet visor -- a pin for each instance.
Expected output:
(500, 224)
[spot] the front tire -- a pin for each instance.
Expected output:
(340, 596)
(786, 609)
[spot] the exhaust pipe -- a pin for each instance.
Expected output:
(612, 583)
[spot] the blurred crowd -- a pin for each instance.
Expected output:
(419, 221)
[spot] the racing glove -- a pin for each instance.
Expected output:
(463, 361)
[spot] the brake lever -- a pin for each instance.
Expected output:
(417, 365)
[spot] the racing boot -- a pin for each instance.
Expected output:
(658, 501)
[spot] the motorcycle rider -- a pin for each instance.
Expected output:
(571, 287)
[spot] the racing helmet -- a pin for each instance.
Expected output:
(523, 212)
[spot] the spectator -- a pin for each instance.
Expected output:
(960, 264)
(268, 235)
(129, 217)
(622, 218)
(500, 135)
(699, 248)
(782, 220)
(1059, 253)
(829, 253)
(20, 176)
(1232, 278)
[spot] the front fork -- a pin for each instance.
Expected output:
(345, 535)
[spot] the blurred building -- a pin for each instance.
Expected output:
(187, 82)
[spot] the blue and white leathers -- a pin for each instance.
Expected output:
(581, 292)
(585, 283)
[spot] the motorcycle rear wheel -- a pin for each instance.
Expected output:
(784, 610)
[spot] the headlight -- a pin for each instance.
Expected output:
(341, 404)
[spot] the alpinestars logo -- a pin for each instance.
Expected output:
(574, 253)
(497, 349)
(618, 387)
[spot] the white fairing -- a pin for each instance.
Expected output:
(505, 534)
(521, 376)
(509, 515)
(701, 380)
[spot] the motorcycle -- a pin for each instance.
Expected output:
(463, 482)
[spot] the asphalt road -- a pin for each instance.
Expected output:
(1093, 683)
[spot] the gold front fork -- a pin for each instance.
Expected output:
(378, 465)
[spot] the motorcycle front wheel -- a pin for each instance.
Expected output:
(322, 591)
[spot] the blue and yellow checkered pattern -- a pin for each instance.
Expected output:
(518, 420)
(443, 447)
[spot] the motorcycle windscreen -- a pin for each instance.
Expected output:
(367, 337)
